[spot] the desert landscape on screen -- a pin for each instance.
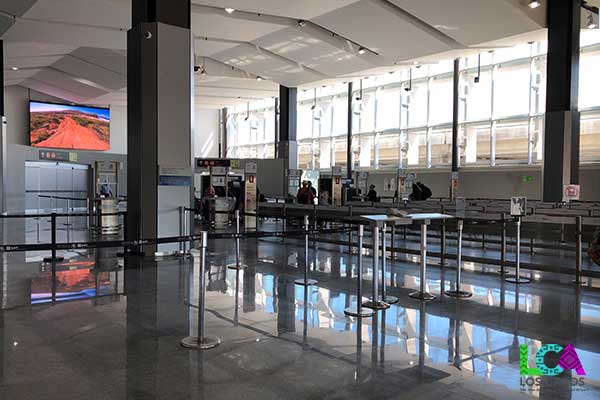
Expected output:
(69, 127)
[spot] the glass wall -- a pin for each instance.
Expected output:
(403, 119)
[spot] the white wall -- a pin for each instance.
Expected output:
(206, 128)
(16, 104)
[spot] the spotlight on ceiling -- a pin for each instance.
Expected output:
(258, 78)
(229, 10)
(534, 3)
(362, 50)
(592, 18)
(15, 68)
(301, 23)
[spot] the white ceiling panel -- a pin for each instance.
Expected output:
(16, 7)
(35, 49)
(114, 98)
(472, 22)
(238, 83)
(311, 52)
(53, 90)
(108, 59)
(20, 74)
(107, 13)
(381, 31)
(76, 36)
(251, 60)
(206, 48)
(203, 90)
(222, 27)
(304, 9)
(70, 83)
(93, 74)
(30, 61)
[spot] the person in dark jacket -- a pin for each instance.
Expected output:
(372, 195)
(416, 193)
(425, 191)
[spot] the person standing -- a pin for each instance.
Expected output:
(372, 195)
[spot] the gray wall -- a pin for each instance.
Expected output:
(495, 183)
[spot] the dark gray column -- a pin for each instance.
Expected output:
(287, 147)
(159, 109)
(561, 135)
(223, 143)
(276, 122)
(2, 131)
(455, 153)
(349, 134)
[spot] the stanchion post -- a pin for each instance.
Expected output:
(384, 297)
(375, 303)
(503, 245)
(443, 240)
(201, 342)
(350, 231)
(181, 229)
(53, 258)
(458, 292)
(578, 249)
(284, 222)
(393, 243)
(358, 310)
(517, 278)
(237, 242)
(305, 281)
(422, 293)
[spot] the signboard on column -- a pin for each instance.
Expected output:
(571, 193)
(250, 205)
(518, 206)
(454, 184)
(336, 185)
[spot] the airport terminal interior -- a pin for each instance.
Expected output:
(299, 199)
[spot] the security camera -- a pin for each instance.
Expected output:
(476, 80)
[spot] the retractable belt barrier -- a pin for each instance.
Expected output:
(12, 248)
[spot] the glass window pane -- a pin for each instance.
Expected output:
(590, 137)
(324, 153)
(476, 144)
(388, 151)
(589, 82)
(269, 116)
(340, 115)
(441, 147)
(388, 108)
(417, 100)
(512, 141)
(304, 122)
(366, 155)
(440, 100)
(326, 107)
(538, 86)
(511, 90)
(476, 97)
(537, 138)
(305, 156)
(340, 151)
(365, 112)
(417, 148)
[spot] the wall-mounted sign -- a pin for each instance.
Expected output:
(251, 167)
(461, 207)
(336, 170)
(212, 162)
(527, 178)
(219, 170)
(336, 191)
(174, 176)
(53, 155)
(235, 164)
(518, 206)
(571, 192)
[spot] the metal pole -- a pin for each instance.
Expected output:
(181, 229)
(358, 310)
(518, 278)
(393, 243)
(87, 207)
(237, 243)
(53, 258)
(350, 232)
(503, 245)
(422, 293)
(305, 281)
(458, 292)
(375, 303)
(578, 250)
(201, 341)
(384, 296)
(284, 222)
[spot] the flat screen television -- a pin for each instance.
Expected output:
(62, 126)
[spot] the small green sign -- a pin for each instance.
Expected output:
(73, 157)
(527, 178)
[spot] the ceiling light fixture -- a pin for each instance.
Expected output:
(301, 23)
(360, 92)
(409, 87)
(258, 78)
(476, 80)
(247, 111)
(314, 105)
(534, 4)
(362, 50)
(15, 68)
(229, 10)
(591, 21)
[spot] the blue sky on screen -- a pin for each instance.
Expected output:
(48, 107)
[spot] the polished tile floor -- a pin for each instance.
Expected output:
(108, 328)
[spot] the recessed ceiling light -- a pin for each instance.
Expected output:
(258, 78)
(534, 4)
(362, 50)
(592, 26)
(229, 10)
(15, 68)
(301, 23)
(415, 62)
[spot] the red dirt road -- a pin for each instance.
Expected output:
(71, 135)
